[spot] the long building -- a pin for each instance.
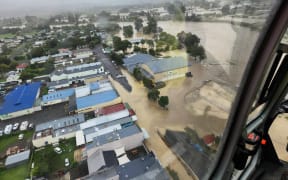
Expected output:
(163, 69)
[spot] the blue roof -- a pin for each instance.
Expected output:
(58, 95)
(22, 97)
(167, 64)
(95, 99)
(94, 86)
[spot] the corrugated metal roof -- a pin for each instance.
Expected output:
(22, 156)
(57, 95)
(95, 99)
(138, 59)
(104, 119)
(61, 123)
(167, 64)
(22, 97)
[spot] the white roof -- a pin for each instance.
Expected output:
(90, 137)
(123, 160)
(80, 139)
(104, 119)
(134, 118)
(145, 133)
(119, 151)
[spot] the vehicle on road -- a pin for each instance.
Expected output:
(67, 162)
(15, 126)
(24, 126)
(8, 129)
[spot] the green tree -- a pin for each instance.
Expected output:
(163, 101)
(137, 74)
(148, 83)
(128, 31)
(5, 60)
(116, 43)
(125, 44)
(117, 58)
(225, 9)
(138, 24)
(153, 94)
(152, 52)
(37, 52)
(151, 25)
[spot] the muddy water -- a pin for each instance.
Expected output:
(191, 103)
(227, 45)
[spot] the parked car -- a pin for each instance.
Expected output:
(23, 126)
(15, 126)
(31, 126)
(8, 129)
(21, 136)
(58, 150)
(67, 162)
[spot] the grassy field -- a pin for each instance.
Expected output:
(8, 140)
(17, 173)
(46, 161)
(8, 35)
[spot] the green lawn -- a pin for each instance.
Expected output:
(8, 140)
(8, 35)
(20, 172)
(46, 161)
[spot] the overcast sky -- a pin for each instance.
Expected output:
(43, 7)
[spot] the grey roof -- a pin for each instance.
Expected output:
(114, 136)
(16, 158)
(66, 130)
(96, 161)
(79, 68)
(61, 123)
(146, 167)
(138, 59)
(105, 125)
(104, 175)
(56, 83)
(167, 64)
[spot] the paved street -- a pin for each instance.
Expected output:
(113, 69)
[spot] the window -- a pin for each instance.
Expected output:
(151, 42)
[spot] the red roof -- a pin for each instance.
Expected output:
(208, 139)
(21, 66)
(112, 109)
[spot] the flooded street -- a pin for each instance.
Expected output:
(225, 44)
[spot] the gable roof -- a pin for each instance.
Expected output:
(167, 64)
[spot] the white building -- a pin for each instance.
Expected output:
(78, 71)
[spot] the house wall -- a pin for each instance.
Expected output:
(55, 101)
(17, 114)
(51, 140)
(128, 143)
(166, 75)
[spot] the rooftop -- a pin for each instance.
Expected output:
(57, 95)
(94, 99)
(111, 109)
(19, 157)
(146, 167)
(138, 58)
(167, 64)
(22, 97)
(79, 68)
(115, 135)
(61, 123)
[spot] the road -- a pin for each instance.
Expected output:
(113, 69)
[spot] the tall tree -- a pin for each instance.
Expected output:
(137, 74)
(153, 94)
(148, 83)
(138, 23)
(128, 31)
(163, 101)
